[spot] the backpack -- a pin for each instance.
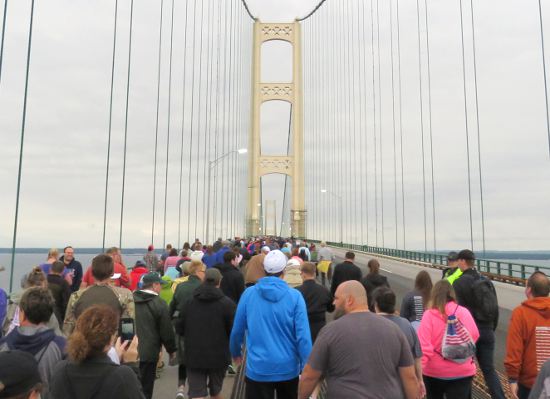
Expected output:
(457, 345)
(485, 300)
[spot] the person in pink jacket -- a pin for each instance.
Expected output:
(442, 376)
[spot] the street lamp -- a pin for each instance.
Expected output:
(324, 191)
(211, 164)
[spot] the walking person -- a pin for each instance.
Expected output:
(33, 335)
(182, 295)
(232, 283)
(89, 372)
(352, 365)
(477, 293)
(154, 328)
(415, 301)
(151, 259)
(317, 297)
(100, 292)
(527, 336)
(445, 378)
(345, 271)
(60, 290)
(373, 280)
(325, 257)
(206, 323)
(452, 272)
(73, 267)
(273, 317)
(384, 305)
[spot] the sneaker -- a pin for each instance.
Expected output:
(180, 393)
(231, 370)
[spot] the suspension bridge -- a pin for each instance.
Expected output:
(401, 128)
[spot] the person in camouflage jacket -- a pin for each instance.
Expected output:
(101, 292)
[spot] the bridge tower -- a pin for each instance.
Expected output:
(292, 164)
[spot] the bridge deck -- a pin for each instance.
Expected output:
(401, 278)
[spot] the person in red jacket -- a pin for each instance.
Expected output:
(139, 270)
(120, 274)
(528, 336)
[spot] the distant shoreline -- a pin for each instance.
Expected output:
(508, 255)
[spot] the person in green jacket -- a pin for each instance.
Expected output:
(182, 295)
(452, 272)
(166, 293)
(154, 329)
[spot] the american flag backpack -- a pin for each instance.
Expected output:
(457, 345)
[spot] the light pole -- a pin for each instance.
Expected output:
(211, 164)
(341, 213)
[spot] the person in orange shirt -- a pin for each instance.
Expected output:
(120, 276)
(528, 341)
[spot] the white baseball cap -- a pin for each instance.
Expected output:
(265, 248)
(275, 262)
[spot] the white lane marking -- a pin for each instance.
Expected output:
(386, 270)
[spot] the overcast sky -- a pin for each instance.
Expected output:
(64, 159)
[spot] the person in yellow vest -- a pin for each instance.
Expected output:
(452, 272)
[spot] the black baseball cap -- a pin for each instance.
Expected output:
(452, 256)
(466, 254)
(151, 278)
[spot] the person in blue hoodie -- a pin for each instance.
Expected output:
(278, 341)
(33, 336)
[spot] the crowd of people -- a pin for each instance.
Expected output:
(262, 303)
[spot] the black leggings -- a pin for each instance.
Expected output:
(436, 388)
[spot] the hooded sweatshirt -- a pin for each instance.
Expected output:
(135, 276)
(278, 340)
(430, 333)
(207, 320)
(528, 340)
(41, 342)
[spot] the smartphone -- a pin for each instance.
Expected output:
(126, 329)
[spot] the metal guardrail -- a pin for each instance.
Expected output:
(510, 272)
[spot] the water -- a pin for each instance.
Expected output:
(24, 262)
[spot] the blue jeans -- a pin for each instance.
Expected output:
(485, 348)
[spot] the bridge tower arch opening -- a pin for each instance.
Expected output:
(291, 164)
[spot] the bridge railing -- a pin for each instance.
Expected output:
(498, 269)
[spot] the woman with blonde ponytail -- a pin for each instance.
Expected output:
(89, 372)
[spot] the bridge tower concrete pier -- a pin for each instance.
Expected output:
(291, 164)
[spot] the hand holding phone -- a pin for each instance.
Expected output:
(126, 329)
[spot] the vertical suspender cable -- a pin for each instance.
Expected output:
(352, 126)
(374, 126)
(379, 57)
(366, 138)
(206, 155)
(229, 108)
(110, 130)
(184, 89)
(422, 124)
(157, 126)
(217, 124)
(5, 14)
(466, 127)
(362, 130)
(199, 118)
(224, 124)
(23, 125)
(335, 144)
(394, 125)
(126, 122)
(401, 123)
(478, 130)
(544, 73)
(191, 125)
(428, 70)
(168, 124)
